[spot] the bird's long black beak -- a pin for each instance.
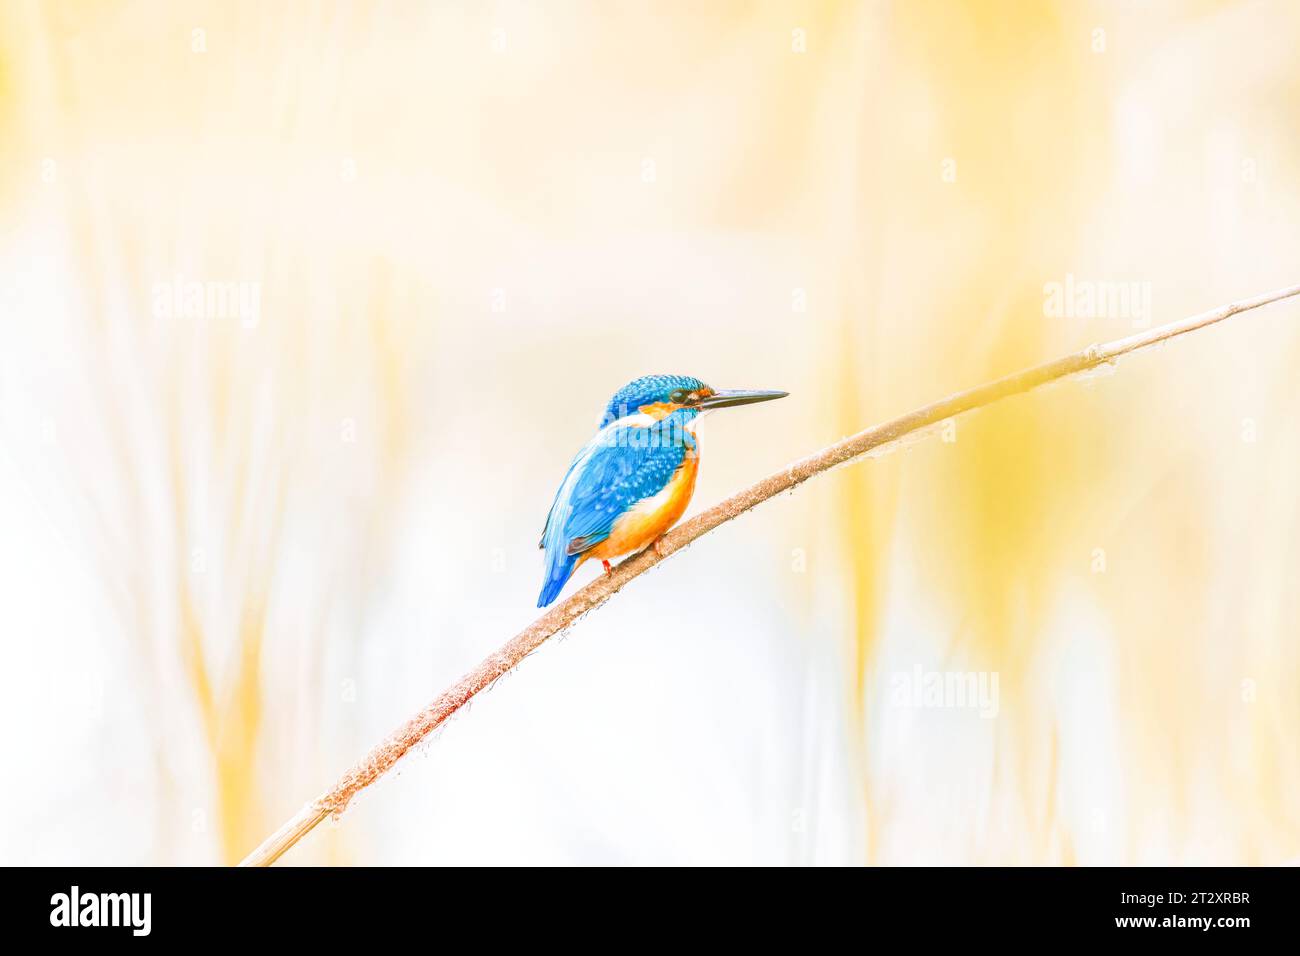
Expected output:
(726, 398)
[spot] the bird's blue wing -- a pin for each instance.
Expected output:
(555, 505)
(615, 478)
(619, 467)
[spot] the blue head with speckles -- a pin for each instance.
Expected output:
(661, 392)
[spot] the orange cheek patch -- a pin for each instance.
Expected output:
(659, 410)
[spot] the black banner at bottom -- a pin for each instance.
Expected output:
(334, 907)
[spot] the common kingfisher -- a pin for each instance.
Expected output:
(632, 481)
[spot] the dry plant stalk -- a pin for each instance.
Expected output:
(563, 615)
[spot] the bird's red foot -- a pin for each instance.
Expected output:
(608, 569)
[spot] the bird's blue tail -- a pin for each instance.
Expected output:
(558, 569)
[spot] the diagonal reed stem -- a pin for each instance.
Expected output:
(389, 751)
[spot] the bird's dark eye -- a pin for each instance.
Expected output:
(677, 396)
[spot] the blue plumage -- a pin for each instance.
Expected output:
(635, 463)
(647, 390)
(643, 448)
(622, 465)
(558, 570)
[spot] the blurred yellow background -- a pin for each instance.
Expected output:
(305, 308)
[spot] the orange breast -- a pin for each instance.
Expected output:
(650, 518)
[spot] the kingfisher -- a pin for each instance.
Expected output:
(634, 479)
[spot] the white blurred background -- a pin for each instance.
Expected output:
(242, 538)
